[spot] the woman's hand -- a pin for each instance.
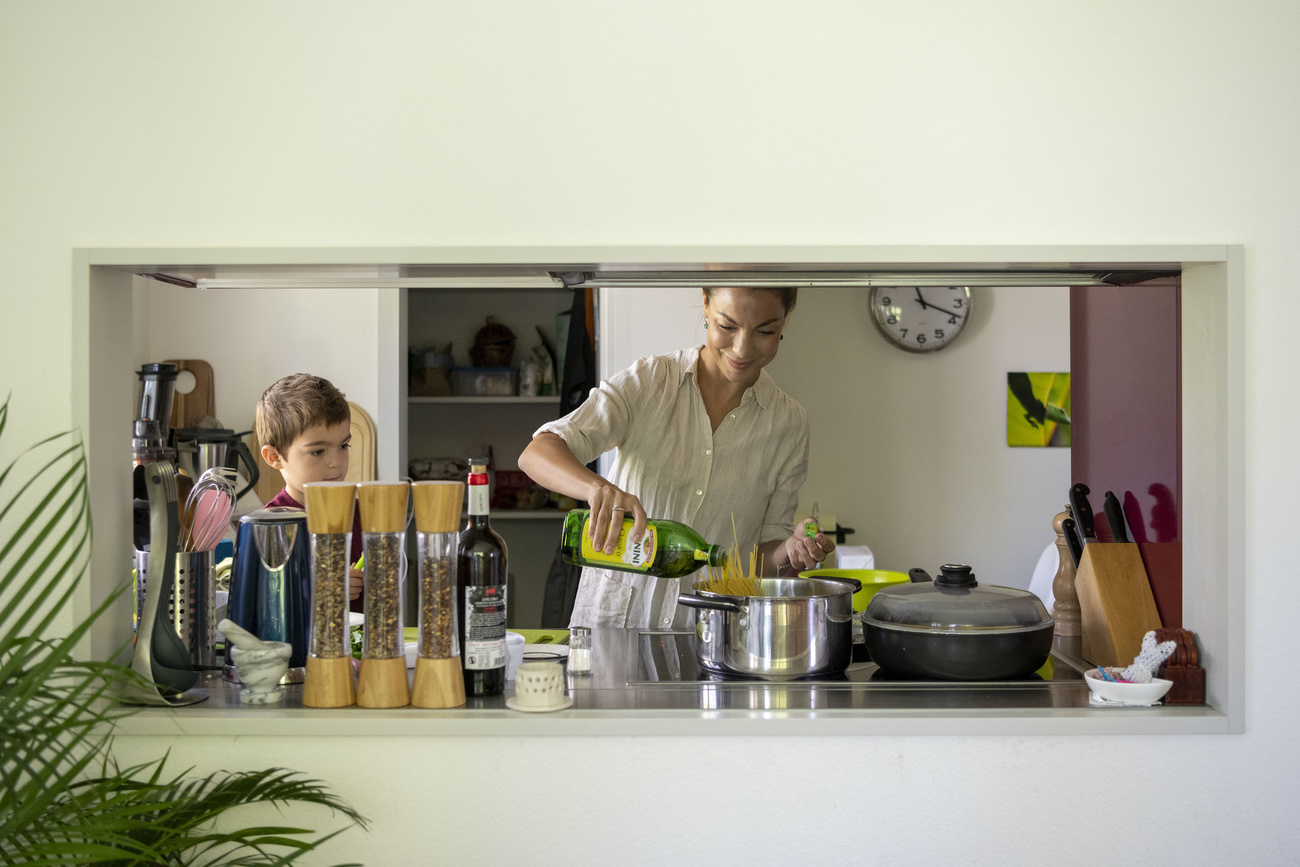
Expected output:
(356, 581)
(609, 506)
(803, 551)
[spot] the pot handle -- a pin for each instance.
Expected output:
(919, 576)
(853, 582)
(690, 600)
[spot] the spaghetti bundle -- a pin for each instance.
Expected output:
(731, 579)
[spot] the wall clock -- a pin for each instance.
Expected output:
(920, 318)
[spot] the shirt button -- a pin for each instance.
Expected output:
(708, 451)
(699, 493)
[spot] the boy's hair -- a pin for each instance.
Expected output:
(295, 403)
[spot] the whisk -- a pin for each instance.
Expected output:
(210, 507)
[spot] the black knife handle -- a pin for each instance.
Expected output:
(1115, 518)
(1072, 540)
(1082, 512)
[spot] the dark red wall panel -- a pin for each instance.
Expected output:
(1127, 420)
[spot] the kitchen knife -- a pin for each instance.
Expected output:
(1082, 512)
(1072, 540)
(1115, 518)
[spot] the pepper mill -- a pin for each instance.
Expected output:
(382, 682)
(1069, 623)
(439, 680)
(328, 678)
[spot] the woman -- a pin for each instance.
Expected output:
(704, 437)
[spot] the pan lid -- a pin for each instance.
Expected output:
(956, 601)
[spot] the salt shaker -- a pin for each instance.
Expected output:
(579, 650)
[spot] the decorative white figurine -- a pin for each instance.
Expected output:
(259, 664)
(1148, 662)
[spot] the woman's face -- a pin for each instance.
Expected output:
(744, 331)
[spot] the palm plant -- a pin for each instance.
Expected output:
(64, 799)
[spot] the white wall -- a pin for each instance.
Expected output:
(253, 337)
(145, 123)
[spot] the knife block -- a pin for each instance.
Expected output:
(1115, 603)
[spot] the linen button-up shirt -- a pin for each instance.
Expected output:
(736, 486)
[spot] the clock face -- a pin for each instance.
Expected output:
(920, 318)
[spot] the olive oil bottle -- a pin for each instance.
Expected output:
(667, 550)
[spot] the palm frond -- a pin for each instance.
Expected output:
(63, 798)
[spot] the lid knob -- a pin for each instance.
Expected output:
(956, 575)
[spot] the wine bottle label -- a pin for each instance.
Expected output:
(478, 499)
(628, 556)
(485, 628)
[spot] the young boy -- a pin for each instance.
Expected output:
(304, 426)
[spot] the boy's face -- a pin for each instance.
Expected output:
(318, 454)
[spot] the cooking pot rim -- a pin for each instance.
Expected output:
(840, 587)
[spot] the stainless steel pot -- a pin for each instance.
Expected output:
(799, 627)
(954, 628)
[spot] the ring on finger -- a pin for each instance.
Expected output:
(618, 509)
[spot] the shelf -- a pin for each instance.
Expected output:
(527, 514)
(551, 399)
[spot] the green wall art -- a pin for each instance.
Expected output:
(1038, 409)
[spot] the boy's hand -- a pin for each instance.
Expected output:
(356, 582)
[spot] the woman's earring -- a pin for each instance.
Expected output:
(706, 325)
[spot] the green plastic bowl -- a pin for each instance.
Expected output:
(872, 580)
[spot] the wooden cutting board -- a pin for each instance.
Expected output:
(1116, 605)
(362, 466)
(189, 409)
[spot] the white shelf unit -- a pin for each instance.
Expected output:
(442, 427)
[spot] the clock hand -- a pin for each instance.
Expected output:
(922, 301)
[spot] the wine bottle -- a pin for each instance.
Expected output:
(481, 580)
(667, 550)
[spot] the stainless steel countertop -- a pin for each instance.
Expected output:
(656, 671)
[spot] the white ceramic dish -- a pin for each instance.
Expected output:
(1126, 693)
(514, 653)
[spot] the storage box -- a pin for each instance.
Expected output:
(486, 381)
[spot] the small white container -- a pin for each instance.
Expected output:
(1126, 693)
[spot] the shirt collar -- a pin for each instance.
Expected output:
(762, 390)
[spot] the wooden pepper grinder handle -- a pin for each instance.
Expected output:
(1066, 608)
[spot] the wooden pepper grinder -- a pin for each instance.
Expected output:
(328, 680)
(1066, 608)
(382, 682)
(439, 681)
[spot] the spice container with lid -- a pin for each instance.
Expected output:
(328, 680)
(382, 682)
(439, 680)
(580, 650)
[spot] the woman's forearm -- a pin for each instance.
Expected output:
(548, 461)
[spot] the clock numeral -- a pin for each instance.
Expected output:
(938, 334)
(885, 302)
(958, 302)
(920, 338)
(903, 333)
(891, 319)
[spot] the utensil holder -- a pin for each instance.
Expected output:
(193, 602)
(382, 682)
(1116, 605)
(439, 681)
(328, 679)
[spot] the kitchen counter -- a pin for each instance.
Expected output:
(646, 683)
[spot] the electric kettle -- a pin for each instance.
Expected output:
(270, 583)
